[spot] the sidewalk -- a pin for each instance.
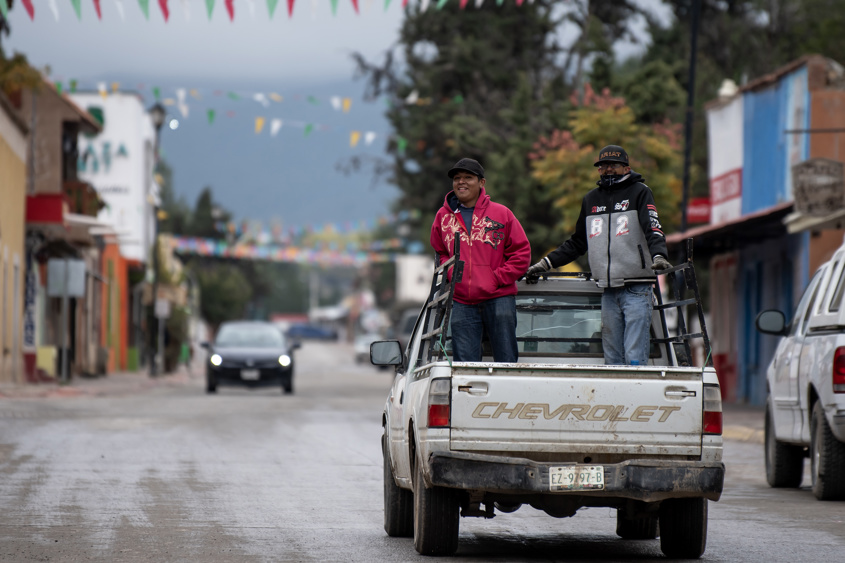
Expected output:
(111, 385)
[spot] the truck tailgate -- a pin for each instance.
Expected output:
(582, 409)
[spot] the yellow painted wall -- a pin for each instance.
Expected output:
(13, 145)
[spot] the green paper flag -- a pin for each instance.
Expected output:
(499, 2)
(308, 128)
(313, 100)
(58, 84)
(145, 7)
(386, 4)
(77, 6)
(441, 3)
(73, 85)
(209, 6)
(334, 7)
(156, 92)
(459, 99)
(4, 8)
(271, 6)
(233, 96)
(401, 143)
(210, 116)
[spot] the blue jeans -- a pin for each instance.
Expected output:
(625, 324)
(496, 317)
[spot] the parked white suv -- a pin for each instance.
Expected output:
(805, 408)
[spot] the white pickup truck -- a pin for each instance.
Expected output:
(557, 431)
(805, 408)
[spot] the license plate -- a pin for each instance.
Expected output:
(250, 374)
(576, 478)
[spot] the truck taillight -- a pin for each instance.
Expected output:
(839, 370)
(438, 403)
(712, 409)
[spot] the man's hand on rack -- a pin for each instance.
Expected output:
(660, 263)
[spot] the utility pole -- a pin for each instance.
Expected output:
(158, 115)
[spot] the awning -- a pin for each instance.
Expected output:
(722, 237)
(797, 221)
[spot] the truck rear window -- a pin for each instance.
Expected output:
(559, 324)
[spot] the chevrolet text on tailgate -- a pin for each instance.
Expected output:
(557, 431)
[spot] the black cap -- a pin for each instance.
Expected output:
(612, 153)
(467, 165)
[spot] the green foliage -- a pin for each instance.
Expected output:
(563, 163)
(206, 216)
(16, 74)
(225, 292)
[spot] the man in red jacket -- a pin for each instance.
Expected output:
(495, 252)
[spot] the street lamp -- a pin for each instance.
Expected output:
(158, 114)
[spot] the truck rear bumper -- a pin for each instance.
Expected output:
(646, 480)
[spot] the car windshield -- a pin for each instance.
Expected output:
(250, 335)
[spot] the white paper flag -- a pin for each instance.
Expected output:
(54, 9)
(275, 125)
(251, 5)
(412, 98)
(478, 3)
(336, 102)
(424, 5)
(261, 99)
(186, 7)
(369, 137)
(120, 10)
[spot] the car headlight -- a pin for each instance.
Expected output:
(216, 359)
(284, 359)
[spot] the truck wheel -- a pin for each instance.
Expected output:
(210, 384)
(784, 462)
(630, 527)
(436, 517)
(827, 458)
(398, 502)
(683, 527)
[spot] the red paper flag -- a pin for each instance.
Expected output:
(164, 10)
(290, 8)
(355, 5)
(230, 7)
(464, 3)
(96, 7)
(30, 9)
(404, 3)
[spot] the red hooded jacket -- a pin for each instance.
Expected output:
(496, 252)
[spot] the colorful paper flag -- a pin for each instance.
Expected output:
(101, 87)
(120, 10)
(165, 11)
(210, 113)
(156, 92)
(354, 137)
(308, 128)
(115, 86)
(73, 85)
(186, 8)
(276, 97)
(347, 103)
(233, 96)
(55, 9)
(313, 100)
(335, 100)
(209, 7)
(271, 7)
(58, 86)
(290, 8)
(369, 137)
(145, 7)
(334, 7)
(195, 94)
(77, 6)
(401, 145)
(259, 124)
(27, 4)
(230, 7)
(463, 4)
(355, 5)
(386, 4)
(440, 4)
(261, 99)
(275, 125)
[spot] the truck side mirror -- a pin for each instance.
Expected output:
(772, 322)
(386, 353)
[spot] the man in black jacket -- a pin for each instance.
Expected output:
(620, 229)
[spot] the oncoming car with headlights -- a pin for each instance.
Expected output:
(251, 353)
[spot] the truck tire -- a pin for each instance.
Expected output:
(629, 527)
(827, 458)
(436, 517)
(683, 527)
(398, 502)
(784, 462)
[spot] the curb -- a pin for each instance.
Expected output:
(743, 434)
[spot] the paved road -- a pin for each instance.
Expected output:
(132, 469)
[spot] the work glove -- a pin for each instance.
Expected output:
(660, 263)
(533, 273)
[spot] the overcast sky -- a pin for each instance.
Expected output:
(292, 177)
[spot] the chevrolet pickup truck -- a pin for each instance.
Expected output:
(556, 431)
(805, 408)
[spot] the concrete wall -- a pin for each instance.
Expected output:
(13, 153)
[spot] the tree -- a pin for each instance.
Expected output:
(563, 163)
(207, 216)
(225, 292)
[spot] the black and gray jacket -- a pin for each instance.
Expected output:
(620, 228)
